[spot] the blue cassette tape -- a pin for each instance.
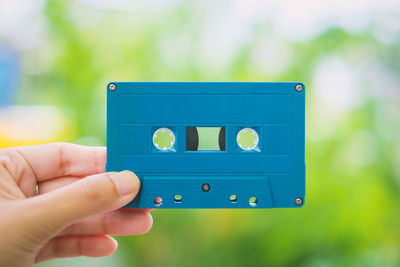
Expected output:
(209, 144)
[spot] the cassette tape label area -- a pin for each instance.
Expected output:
(209, 144)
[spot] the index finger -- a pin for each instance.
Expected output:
(54, 160)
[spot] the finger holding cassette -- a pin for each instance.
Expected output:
(74, 210)
(118, 222)
(128, 221)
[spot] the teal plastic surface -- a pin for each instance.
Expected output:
(150, 131)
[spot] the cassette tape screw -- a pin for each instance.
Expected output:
(205, 187)
(112, 87)
(298, 201)
(299, 88)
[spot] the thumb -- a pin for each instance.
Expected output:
(91, 195)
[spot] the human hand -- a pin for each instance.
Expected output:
(75, 210)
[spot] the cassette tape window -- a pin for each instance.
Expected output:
(205, 138)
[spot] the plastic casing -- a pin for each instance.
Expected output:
(274, 173)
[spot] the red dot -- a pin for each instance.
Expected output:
(158, 201)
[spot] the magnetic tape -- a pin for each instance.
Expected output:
(209, 144)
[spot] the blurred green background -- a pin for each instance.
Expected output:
(56, 58)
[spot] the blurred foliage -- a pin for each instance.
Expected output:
(350, 218)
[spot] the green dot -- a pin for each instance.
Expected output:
(178, 198)
(253, 201)
(163, 139)
(247, 139)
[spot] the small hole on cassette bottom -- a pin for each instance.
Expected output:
(253, 201)
(233, 198)
(158, 201)
(178, 198)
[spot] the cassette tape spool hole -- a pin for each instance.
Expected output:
(163, 139)
(233, 198)
(247, 139)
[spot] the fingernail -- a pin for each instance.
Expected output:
(126, 182)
